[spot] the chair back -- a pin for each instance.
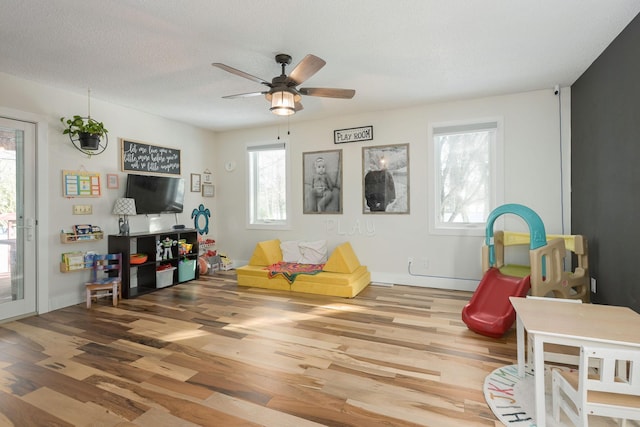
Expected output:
(616, 370)
(106, 265)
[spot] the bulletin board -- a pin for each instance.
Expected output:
(80, 184)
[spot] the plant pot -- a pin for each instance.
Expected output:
(89, 141)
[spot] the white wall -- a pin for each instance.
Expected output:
(197, 147)
(533, 177)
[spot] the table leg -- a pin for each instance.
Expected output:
(520, 346)
(538, 374)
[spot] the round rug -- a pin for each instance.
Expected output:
(511, 398)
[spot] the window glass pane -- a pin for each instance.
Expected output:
(464, 176)
(268, 184)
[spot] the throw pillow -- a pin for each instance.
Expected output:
(290, 251)
(313, 252)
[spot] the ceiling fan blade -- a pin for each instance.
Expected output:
(240, 73)
(245, 95)
(328, 92)
(309, 65)
(298, 106)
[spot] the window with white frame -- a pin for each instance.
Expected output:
(467, 176)
(268, 186)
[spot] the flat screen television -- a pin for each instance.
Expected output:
(156, 194)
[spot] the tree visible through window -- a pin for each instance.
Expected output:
(464, 174)
(268, 184)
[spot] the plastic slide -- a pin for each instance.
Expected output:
(489, 312)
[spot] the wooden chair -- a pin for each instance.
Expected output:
(610, 388)
(106, 278)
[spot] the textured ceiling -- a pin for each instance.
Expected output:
(156, 56)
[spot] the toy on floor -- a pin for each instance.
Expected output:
(489, 312)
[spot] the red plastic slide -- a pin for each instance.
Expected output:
(490, 312)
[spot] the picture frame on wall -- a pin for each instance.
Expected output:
(207, 177)
(385, 179)
(322, 175)
(195, 182)
(208, 190)
(112, 181)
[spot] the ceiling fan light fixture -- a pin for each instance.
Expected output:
(283, 103)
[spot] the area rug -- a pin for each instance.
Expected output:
(511, 397)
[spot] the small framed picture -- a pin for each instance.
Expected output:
(208, 190)
(206, 177)
(112, 181)
(195, 182)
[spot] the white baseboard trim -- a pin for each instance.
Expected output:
(66, 300)
(381, 278)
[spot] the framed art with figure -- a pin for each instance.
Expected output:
(385, 179)
(322, 174)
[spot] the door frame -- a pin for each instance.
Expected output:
(41, 200)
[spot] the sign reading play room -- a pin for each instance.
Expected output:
(364, 133)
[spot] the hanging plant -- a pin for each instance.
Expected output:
(85, 133)
(85, 130)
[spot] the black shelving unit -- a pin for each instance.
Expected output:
(139, 279)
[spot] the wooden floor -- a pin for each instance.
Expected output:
(211, 353)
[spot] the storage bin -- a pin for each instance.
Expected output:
(226, 266)
(164, 278)
(187, 270)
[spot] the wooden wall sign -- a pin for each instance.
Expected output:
(141, 157)
(364, 133)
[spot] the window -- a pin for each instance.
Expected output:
(268, 186)
(467, 176)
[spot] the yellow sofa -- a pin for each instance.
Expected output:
(342, 274)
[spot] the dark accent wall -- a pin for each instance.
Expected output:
(605, 168)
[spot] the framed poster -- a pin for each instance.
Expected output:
(322, 175)
(195, 182)
(385, 179)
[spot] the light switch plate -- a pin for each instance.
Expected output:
(82, 209)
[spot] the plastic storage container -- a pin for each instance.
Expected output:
(164, 277)
(187, 270)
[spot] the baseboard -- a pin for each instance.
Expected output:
(425, 281)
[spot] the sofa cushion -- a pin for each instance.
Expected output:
(313, 252)
(342, 260)
(266, 253)
(290, 251)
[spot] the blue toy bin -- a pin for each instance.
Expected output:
(187, 270)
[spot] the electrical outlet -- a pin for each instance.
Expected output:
(410, 260)
(82, 209)
(593, 285)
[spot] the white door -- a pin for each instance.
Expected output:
(17, 218)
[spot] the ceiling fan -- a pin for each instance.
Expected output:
(283, 94)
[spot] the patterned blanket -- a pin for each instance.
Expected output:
(290, 270)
